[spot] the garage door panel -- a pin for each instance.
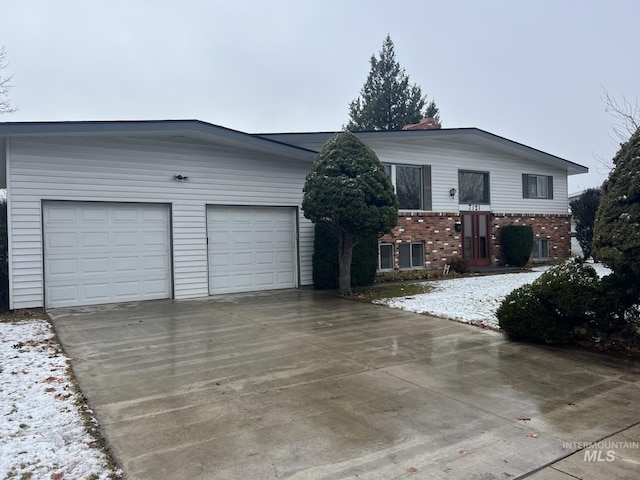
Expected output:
(244, 259)
(153, 263)
(265, 279)
(264, 258)
(63, 266)
(125, 215)
(220, 260)
(154, 239)
(155, 287)
(246, 245)
(62, 240)
(103, 253)
(60, 215)
(93, 266)
(123, 264)
(68, 294)
(94, 240)
(126, 239)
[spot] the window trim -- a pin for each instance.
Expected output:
(385, 244)
(426, 202)
(412, 266)
(526, 178)
(487, 188)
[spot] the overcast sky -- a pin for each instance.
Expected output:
(532, 72)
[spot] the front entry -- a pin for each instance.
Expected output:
(475, 232)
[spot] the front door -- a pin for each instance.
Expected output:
(475, 234)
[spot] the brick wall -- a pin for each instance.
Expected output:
(555, 228)
(437, 232)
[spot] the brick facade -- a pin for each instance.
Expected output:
(437, 231)
(555, 228)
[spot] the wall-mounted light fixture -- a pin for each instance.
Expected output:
(452, 192)
(181, 177)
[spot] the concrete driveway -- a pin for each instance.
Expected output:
(302, 385)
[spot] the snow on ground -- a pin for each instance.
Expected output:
(42, 433)
(470, 299)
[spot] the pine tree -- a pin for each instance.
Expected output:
(584, 210)
(349, 190)
(617, 226)
(387, 100)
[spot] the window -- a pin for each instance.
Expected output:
(537, 186)
(411, 255)
(412, 184)
(385, 256)
(540, 249)
(473, 187)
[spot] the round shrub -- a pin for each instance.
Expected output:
(524, 317)
(549, 310)
(569, 290)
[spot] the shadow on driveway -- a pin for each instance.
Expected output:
(302, 385)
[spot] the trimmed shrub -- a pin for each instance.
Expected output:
(569, 290)
(549, 310)
(364, 261)
(517, 243)
(523, 317)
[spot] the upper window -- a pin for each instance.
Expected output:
(537, 186)
(412, 185)
(473, 187)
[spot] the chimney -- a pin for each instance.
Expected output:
(424, 124)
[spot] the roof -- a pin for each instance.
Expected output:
(189, 129)
(461, 136)
(297, 145)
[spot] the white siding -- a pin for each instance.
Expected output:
(505, 174)
(115, 169)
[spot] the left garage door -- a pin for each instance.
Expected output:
(105, 252)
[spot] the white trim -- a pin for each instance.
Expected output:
(9, 217)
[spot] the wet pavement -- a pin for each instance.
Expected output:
(302, 385)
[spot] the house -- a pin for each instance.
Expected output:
(457, 187)
(102, 212)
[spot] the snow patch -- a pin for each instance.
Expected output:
(42, 432)
(472, 300)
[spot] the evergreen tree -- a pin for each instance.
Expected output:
(584, 210)
(387, 100)
(617, 226)
(349, 190)
(432, 111)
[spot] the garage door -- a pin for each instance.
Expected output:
(105, 252)
(251, 248)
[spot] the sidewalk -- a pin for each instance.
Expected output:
(613, 458)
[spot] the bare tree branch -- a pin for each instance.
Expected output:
(626, 113)
(5, 85)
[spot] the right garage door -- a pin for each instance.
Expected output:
(251, 248)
